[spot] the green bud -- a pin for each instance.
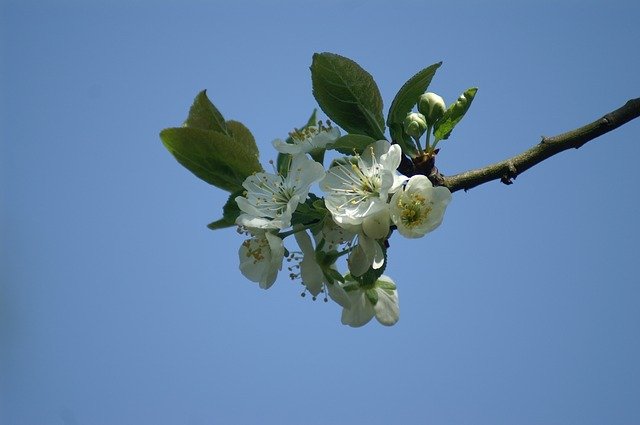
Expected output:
(415, 124)
(432, 106)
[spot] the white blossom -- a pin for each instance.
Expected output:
(271, 199)
(358, 187)
(307, 140)
(419, 207)
(261, 258)
(380, 300)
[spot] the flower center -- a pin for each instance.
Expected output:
(414, 210)
(273, 197)
(307, 134)
(254, 249)
(369, 184)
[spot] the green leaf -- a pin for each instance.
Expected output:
(347, 94)
(372, 296)
(205, 116)
(307, 212)
(351, 143)
(230, 212)
(214, 157)
(403, 103)
(313, 119)
(243, 136)
(454, 114)
(283, 162)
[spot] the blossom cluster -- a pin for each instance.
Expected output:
(364, 199)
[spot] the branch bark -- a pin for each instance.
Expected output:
(509, 169)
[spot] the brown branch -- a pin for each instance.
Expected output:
(509, 169)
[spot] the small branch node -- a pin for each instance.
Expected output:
(511, 174)
(607, 120)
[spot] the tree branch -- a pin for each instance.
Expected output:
(509, 169)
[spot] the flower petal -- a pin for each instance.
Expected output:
(360, 312)
(287, 148)
(358, 261)
(387, 309)
(310, 271)
(376, 226)
(261, 259)
(338, 294)
(302, 174)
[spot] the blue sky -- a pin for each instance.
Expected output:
(118, 305)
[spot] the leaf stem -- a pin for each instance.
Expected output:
(344, 252)
(427, 147)
(417, 142)
(297, 228)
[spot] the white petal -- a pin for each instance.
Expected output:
(373, 251)
(312, 275)
(376, 226)
(253, 222)
(358, 262)
(303, 173)
(284, 147)
(304, 242)
(246, 207)
(360, 312)
(378, 257)
(276, 245)
(339, 295)
(390, 160)
(441, 195)
(387, 309)
(275, 264)
(440, 198)
(250, 268)
(322, 139)
(310, 271)
(418, 182)
(398, 181)
(387, 181)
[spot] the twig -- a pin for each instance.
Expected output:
(509, 169)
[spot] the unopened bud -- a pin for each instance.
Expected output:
(415, 124)
(432, 106)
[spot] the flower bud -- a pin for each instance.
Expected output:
(415, 124)
(432, 106)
